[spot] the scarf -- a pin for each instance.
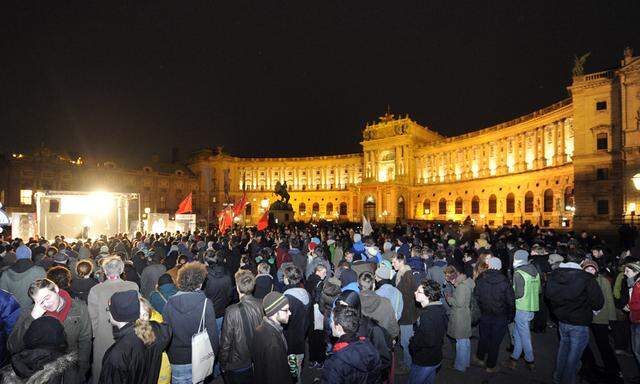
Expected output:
(66, 307)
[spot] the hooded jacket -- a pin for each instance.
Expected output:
(518, 281)
(379, 309)
(9, 314)
(269, 354)
(160, 296)
(495, 295)
(573, 294)
(182, 313)
(298, 259)
(42, 366)
(425, 345)
(295, 330)
(353, 360)
(395, 297)
(218, 288)
(235, 343)
(18, 278)
(124, 361)
(149, 278)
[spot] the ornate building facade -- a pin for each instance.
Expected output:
(572, 164)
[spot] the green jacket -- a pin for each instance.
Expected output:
(608, 311)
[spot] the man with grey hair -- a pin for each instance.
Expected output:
(98, 301)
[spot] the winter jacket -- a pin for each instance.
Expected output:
(634, 303)
(295, 330)
(77, 329)
(17, 279)
(608, 312)
(379, 309)
(573, 294)
(264, 285)
(381, 341)
(394, 296)
(80, 287)
(407, 285)
(154, 353)
(160, 296)
(459, 326)
(42, 366)
(425, 345)
(298, 258)
(436, 272)
(352, 360)
(269, 354)
(237, 333)
(149, 278)
(9, 314)
(218, 288)
(358, 251)
(125, 361)
(311, 267)
(495, 295)
(182, 313)
(97, 302)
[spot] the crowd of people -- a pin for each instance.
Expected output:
(264, 306)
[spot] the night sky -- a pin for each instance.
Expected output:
(287, 78)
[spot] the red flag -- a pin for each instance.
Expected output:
(226, 220)
(264, 221)
(185, 206)
(237, 210)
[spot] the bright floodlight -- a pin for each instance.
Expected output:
(636, 181)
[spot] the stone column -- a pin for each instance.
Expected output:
(502, 156)
(561, 158)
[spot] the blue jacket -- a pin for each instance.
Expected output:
(352, 360)
(159, 297)
(359, 251)
(9, 313)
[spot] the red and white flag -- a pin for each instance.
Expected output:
(185, 206)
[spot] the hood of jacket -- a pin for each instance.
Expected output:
(299, 293)
(529, 269)
(21, 266)
(168, 290)
(570, 281)
(185, 302)
(360, 356)
(40, 365)
(358, 247)
(216, 270)
(493, 276)
(370, 301)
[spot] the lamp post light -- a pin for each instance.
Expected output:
(632, 206)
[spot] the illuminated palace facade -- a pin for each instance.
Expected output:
(571, 164)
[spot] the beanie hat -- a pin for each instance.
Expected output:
(61, 258)
(104, 249)
(45, 332)
(451, 242)
(521, 255)
(635, 266)
(589, 263)
(347, 277)
(315, 240)
(312, 246)
(125, 306)
(357, 238)
(384, 272)
(482, 243)
(495, 263)
(273, 302)
(164, 279)
(387, 246)
(555, 258)
(372, 251)
(23, 252)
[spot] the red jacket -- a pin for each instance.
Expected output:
(634, 303)
(282, 256)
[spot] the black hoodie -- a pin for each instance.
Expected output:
(495, 295)
(573, 294)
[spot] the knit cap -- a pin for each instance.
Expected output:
(357, 238)
(635, 266)
(104, 250)
(589, 263)
(482, 243)
(125, 306)
(384, 272)
(555, 258)
(273, 302)
(23, 252)
(45, 332)
(495, 263)
(521, 255)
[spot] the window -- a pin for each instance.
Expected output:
(568, 198)
(247, 210)
(548, 201)
(426, 206)
(602, 173)
(315, 208)
(475, 205)
(603, 207)
(25, 196)
(601, 106)
(493, 208)
(458, 206)
(528, 202)
(302, 208)
(602, 142)
(162, 203)
(511, 203)
(442, 207)
(329, 208)
(343, 209)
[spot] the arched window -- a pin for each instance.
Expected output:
(568, 198)
(511, 203)
(528, 202)
(329, 208)
(493, 204)
(302, 208)
(343, 209)
(548, 200)
(247, 210)
(459, 206)
(315, 208)
(426, 206)
(475, 205)
(442, 206)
